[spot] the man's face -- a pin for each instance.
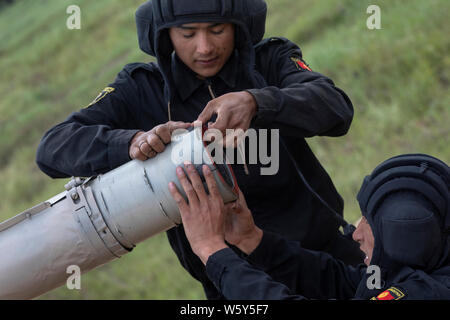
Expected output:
(203, 47)
(364, 236)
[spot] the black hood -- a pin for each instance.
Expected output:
(406, 202)
(155, 17)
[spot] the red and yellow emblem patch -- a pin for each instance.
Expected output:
(392, 293)
(300, 64)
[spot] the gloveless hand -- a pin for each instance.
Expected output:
(145, 145)
(240, 228)
(203, 215)
(234, 111)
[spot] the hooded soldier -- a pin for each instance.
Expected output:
(406, 202)
(404, 232)
(213, 66)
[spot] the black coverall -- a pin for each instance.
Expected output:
(282, 270)
(299, 102)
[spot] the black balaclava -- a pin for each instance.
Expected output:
(406, 202)
(155, 17)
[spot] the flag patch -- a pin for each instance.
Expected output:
(300, 64)
(392, 293)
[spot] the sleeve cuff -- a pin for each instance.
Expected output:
(217, 264)
(269, 103)
(261, 257)
(118, 148)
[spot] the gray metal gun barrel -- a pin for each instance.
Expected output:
(99, 219)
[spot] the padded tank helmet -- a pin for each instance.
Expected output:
(406, 202)
(154, 17)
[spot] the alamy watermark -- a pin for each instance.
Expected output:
(374, 280)
(374, 20)
(263, 148)
(73, 282)
(74, 20)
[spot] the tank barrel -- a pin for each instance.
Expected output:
(99, 219)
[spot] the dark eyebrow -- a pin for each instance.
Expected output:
(213, 25)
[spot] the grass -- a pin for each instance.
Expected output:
(397, 78)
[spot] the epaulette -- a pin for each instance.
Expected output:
(270, 40)
(132, 67)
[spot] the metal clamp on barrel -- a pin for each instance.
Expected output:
(85, 204)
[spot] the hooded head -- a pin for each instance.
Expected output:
(406, 202)
(155, 17)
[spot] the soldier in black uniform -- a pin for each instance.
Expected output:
(214, 66)
(404, 232)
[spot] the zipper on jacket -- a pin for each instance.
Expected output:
(211, 91)
(241, 146)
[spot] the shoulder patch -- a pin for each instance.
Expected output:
(102, 94)
(278, 39)
(131, 67)
(300, 64)
(392, 293)
(269, 41)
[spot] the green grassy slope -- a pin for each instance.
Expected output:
(397, 78)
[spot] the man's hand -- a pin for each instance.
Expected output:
(240, 228)
(146, 145)
(203, 217)
(234, 111)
